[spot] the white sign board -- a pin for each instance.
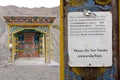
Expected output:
(90, 39)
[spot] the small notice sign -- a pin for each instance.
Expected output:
(90, 39)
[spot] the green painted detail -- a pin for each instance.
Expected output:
(36, 49)
(13, 17)
(40, 47)
(36, 17)
(20, 49)
(43, 28)
(15, 28)
(41, 35)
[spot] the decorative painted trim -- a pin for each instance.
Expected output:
(29, 24)
(76, 2)
(28, 19)
(90, 5)
(109, 74)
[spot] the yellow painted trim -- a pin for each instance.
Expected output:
(61, 42)
(105, 2)
(50, 47)
(40, 46)
(20, 50)
(43, 46)
(45, 49)
(16, 45)
(16, 50)
(40, 51)
(49, 56)
(28, 24)
(8, 37)
(40, 31)
(13, 50)
(18, 30)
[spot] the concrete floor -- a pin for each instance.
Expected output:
(29, 72)
(34, 61)
(29, 69)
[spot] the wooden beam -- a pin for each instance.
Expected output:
(45, 49)
(61, 42)
(8, 37)
(13, 47)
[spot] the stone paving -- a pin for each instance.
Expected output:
(29, 72)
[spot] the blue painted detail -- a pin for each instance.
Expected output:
(21, 38)
(79, 78)
(99, 78)
(90, 5)
(71, 75)
(108, 75)
(68, 73)
(36, 38)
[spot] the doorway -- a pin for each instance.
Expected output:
(28, 46)
(29, 43)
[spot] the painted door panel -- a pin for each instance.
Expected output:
(28, 46)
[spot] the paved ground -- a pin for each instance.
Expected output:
(26, 72)
(34, 61)
(29, 72)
